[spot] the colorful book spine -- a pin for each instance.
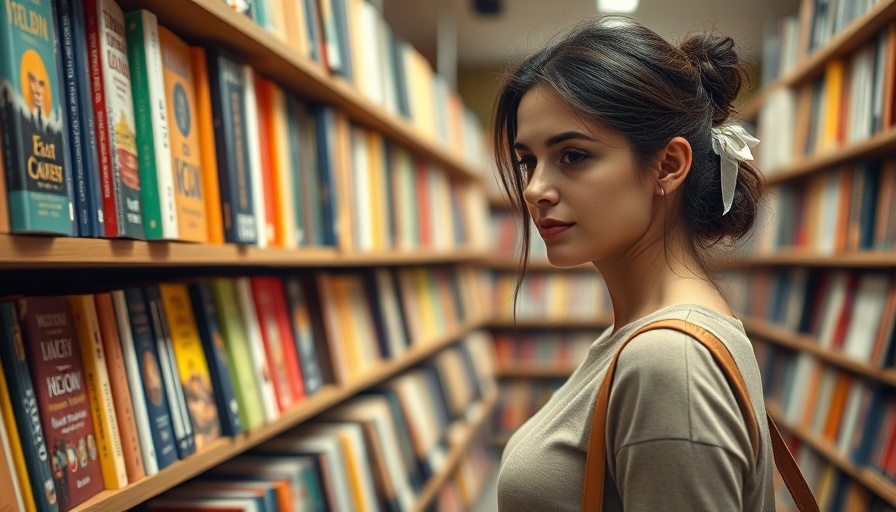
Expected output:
(232, 148)
(261, 368)
(10, 495)
(35, 150)
(54, 358)
(192, 367)
(145, 374)
(256, 180)
(216, 358)
(294, 113)
(99, 390)
(183, 128)
(19, 406)
(303, 334)
(113, 106)
(180, 417)
(325, 124)
(121, 390)
(207, 148)
(151, 119)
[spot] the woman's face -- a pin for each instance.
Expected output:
(588, 199)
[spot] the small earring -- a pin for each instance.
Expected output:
(662, 192)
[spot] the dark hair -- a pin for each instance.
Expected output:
(625, 76)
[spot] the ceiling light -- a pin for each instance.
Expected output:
(607, 6)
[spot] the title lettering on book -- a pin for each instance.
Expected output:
(27, 20)
(117, 44)
(29, 405)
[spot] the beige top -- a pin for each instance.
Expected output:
(676, 439)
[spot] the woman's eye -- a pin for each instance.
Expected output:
(573, 157)
(525, 165)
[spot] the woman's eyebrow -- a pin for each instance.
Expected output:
(557, 139)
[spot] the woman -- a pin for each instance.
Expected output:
(620, 147)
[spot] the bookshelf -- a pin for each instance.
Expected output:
(841, 143)
(597, 322)
(534, 371)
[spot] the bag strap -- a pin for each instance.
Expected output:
(596, 460)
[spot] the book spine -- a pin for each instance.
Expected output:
(293, 112)
(216, 356)
(180, 416)
(151, 121)
(253, 146)
(15, 452)
(326, 154)
(24, 407)
(121, 393)
(206, 128)
(10, 495)
(99, 392)
(261, 369)
(270, 333)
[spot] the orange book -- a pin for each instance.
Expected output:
(208, 159)
(265, 106)
(835, 411)
(284, 202)
(186, 152)
(273, 342)
(834, 76)
(333, 324)
(343, 168)
(121, 395)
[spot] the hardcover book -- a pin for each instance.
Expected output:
(34, 145)
(205, 127)
(54, 358)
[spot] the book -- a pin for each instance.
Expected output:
(113, 106)
(304, 335)
(216, 358)
(207, 147)
(267, 194)
(145, 376)
(286, 232)
(279, 346)
(191, 364)
(54, 358)
(298, 471)
(10, 496)
(256, 172)
(39, 190)
(177, 402)
(160, 220)
(121, 392)
(232, 148)
(96, 375)
(257, 351)
(23, 423)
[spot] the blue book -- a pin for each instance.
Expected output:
(25, 410)
(304, 335)
(154, 391)
(312, 20)
(232, 147)
(302, 210)
(325, 124)
(340, 15)
(216, 356)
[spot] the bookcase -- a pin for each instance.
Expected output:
(429, 259)
(815, 284)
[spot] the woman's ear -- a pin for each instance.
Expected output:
(675, 164)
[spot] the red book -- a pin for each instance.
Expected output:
(273, 343)
(57, 370)
(290, 349)
(264, 102)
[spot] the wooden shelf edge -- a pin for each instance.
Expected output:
(537, 265)
(787, 257)
(850, 37)
(459, 447)
(533, 371)
(214, 23)
(596, 322)
(785, 337)
(32, 251)
(223, 449)
(869, 478)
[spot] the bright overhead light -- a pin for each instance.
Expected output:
(606, 6)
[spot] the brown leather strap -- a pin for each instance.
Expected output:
(596, 460)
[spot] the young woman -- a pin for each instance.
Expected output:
(620, 147)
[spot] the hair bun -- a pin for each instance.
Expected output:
(721, 72)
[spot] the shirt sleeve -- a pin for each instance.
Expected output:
(676, 438)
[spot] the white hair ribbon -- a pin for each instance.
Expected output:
(732, 143)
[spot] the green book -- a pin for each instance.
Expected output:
(236, 341)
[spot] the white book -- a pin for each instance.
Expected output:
(265, 229)
(135, 383)
(256, 348)
(6, 455)
(361, 185)
(832, 307)
(867, 314)
(794, 405)
(850, 415)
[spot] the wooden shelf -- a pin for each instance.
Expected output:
(213, 24)
(223, 449)
(853, 36)
(883, 143)
(869, 478)
(868, 259)
(598, 321)
(533, 371)
(541, 265)
(27, 251)
(497, 201)
(805, 343)
(461, 437)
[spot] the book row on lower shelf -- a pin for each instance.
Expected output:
(141, 377)
(223, 154)
(555, 348)
(852, 313)
(569, 295)
(390, 447)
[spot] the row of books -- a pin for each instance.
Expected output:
(142, 377)
(184, 143)
(850, 102)
(376, 451)
(573, 295)
(506, 238)
(565, 348)
(351, 39)
(846, 209)
(461, 492)
(519, 400)
(794, 37)
(854, 415)
(850, 312)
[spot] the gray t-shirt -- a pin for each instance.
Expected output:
(676, 439)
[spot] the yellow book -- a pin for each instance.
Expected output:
(183, 129)
(378, 205)
(15, 445)
(343, 169)
(102, 407)
(285, 202)
(192, 368)
(834, 75)
(428, 303)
